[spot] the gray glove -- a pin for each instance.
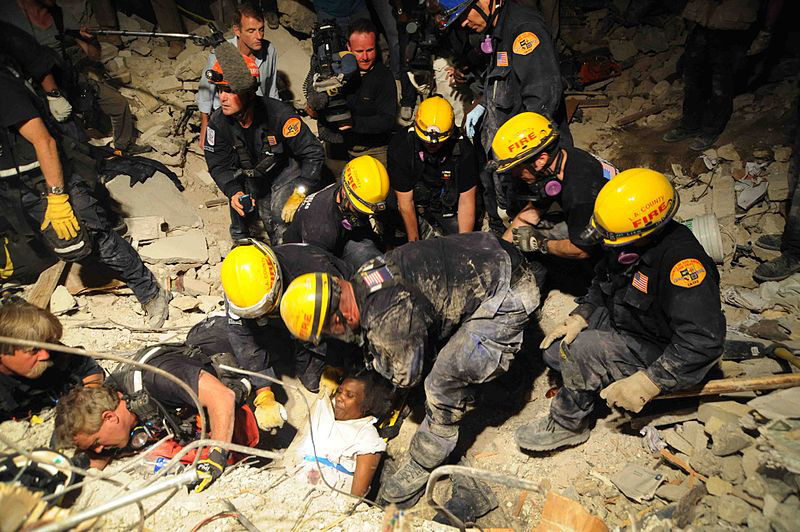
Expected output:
(59, 107)
(528, 239)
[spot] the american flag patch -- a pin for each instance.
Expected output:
(640, 282)
(271, 139)
(502, 59)
(374, 279)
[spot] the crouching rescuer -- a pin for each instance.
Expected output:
(138, 407)
(259, 153)
(651, 321)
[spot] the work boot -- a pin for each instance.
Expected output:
(771, 242)
(469, 500)
(776, 269)
(424, 454)
(545, 434)
(273, 22)
(136, 149)
(703, 142)
(175, 49)
(157, 309)
(678, 133)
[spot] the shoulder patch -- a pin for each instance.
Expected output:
(210, 136)
(292, 127)
(687, 273)
(525, 43)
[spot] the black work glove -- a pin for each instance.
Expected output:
(528, 239)
(211, 468)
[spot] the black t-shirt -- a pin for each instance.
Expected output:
(409, 162)
(17, 108)
(20, 396)
(318, 221)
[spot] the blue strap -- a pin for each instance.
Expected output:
(326, 462)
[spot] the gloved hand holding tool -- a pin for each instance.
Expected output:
(569, 330)
(210, 468)
(528, 239)
(291, 205)
(631, 393)
(59, 214)
(329, 381)
(473, 117)
(270, 414)
(60, 108)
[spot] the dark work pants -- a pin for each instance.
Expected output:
(710, 64)
(597, 357)
(790, 244)
(116, 106)
(107, 246)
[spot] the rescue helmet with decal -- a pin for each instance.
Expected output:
(251, 279)
(634, 204)
(445, 12)
(434, 120)
(523, 136)
(233, 70)
(308, 304)
(366, 184)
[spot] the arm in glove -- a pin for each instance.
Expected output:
(59, 214)
(473, 117)
(210, 468)
(329, 381)
(528, 239)
(569, 330)
(760, 43)
(59, 107)
(270, 414)
(291, 205)
(630, 393)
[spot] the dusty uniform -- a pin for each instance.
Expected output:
(661, 315)
(267, 160)
(23, 200)
(320, 222)
(437, 180)
(460, 302)
(257, 343)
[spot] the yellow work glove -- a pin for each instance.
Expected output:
(270, 414)
(291, 205)
(631, 393)
(329, 381)
(569, 330)
(59, 214)
(210, 468)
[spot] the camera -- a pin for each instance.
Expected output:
(332, 66)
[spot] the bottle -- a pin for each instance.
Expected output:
(153, 464)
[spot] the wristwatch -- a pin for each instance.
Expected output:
(543, 246)
(55, 190)
(54, 93)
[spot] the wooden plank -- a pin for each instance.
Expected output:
(721, 386)
(45, 284)
(631, 118)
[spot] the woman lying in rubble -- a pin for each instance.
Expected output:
(348, 447)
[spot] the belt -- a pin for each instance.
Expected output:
(19, 169)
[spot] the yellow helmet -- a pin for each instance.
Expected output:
(366, 184)
(308, 303)
(634, 204)
(522, 136)
(434, 120)
(251, 279)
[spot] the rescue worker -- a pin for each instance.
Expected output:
(33, 378)
(340, 218)
(650, 323)
(523, 75)
(257, 149)
(253, 278)
(434, 173)
(716, 49)
(528, 149)
(136, 407)
(41, 197)
(469, 294)
(248, 37)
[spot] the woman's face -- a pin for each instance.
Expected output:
(348, 401)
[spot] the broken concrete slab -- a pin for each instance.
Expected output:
(677, 442)
(733, 509)
(778, 175)
(188, 248)
(693, 433)
(141, 47)
(166, 84)
(717, 486)
(196, 287)
(210, 303)
(145, 228)
(191, 67)
(622, 50)
(730, 439)
(157, 196)
(728, 152)
(723, 199)
(184, 303)
(732, 469)
(672, 492)
(61, 301)
(705, 463)
(728, 411)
